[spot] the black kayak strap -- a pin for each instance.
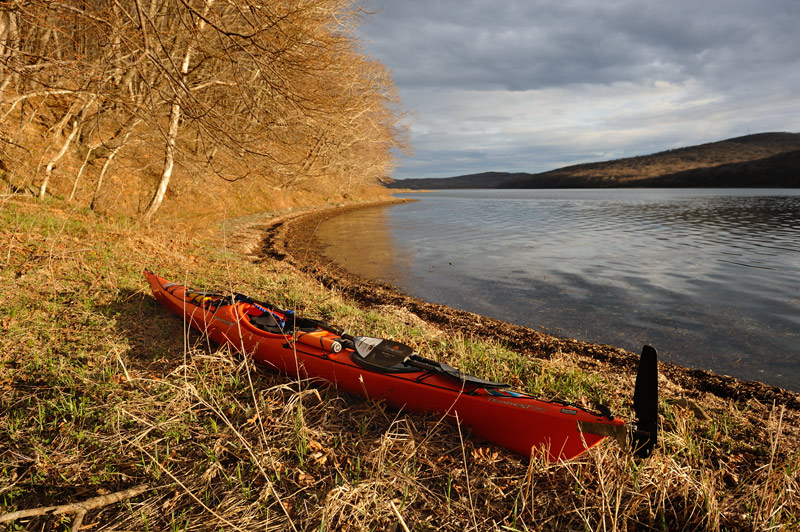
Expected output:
(439, 368)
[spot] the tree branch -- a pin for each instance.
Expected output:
(79, 508)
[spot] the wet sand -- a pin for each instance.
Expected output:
(292, 239)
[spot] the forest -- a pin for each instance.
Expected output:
(132, 105)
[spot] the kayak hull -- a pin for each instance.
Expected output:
(513, 420)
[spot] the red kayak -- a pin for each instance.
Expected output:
(376, 368)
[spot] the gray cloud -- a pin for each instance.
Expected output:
(536, 84)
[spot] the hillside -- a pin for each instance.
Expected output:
(481, 180)
(782, 170)
(760, 160)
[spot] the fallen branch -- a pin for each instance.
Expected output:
(78, 508)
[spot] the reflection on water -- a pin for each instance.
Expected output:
(362, 242)
(711, 277)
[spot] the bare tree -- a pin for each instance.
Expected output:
(8, 41)
(179, 86)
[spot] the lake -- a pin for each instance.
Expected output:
(710, 277)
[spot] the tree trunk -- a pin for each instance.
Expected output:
(172, 132)
(76, 127)
(80, 173)
(64, 147)
(107, 164)
(102, 174)
(169, 161)
(8, 45)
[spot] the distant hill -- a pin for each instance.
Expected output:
(482, 180)
(760, 160)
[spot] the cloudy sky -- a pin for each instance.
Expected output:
(532, 85)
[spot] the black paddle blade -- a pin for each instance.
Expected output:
(645, 404)
(386, 356)
(381, 355)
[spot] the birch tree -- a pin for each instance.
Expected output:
(180, 87)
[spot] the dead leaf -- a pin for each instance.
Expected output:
(304, 479)
(288, 505)
(485, 454)
(320, 458)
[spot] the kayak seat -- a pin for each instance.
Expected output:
(266, 322)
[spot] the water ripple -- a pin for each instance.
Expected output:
(710, 276)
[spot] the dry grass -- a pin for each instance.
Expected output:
(102, 390)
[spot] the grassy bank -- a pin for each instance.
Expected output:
(101, 391)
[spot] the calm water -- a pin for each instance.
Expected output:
(710, 277)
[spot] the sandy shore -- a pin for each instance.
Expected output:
(291, 238)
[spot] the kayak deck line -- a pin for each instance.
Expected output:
(378, 368)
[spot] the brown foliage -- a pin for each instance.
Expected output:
(113, 97)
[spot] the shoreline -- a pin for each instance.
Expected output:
(291, 238)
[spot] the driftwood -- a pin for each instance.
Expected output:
(79, 508)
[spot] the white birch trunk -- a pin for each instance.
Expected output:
(172, 132)
(80, 173)
(103, 171)
(64, 147)
(169, 161)
(76, 127)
